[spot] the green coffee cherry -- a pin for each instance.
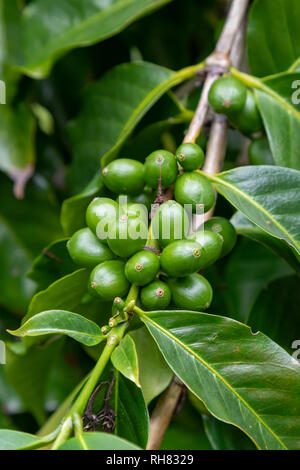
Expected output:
(170, 223)
(248, 119)
(142, 268)
(192, 292)
(224, 228)
(212, 244)
(101, 209)
(108, 280)
(182, 258)
(156, 296)
(227, 95)
(128, 236)
(86, 249)
(259, 152)
(195, 189)
(124, 176)
(190, 156)
(160, 163)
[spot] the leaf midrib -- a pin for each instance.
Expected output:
(56, 330)
(94, 19)
(215, 179)
(213, 371)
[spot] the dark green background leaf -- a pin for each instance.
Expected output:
(28, 375)
(246, 228)
(53, 263)
(64, 294)
(276, 312)
(222, 436)
(273, 36)
(112, 108)
(47, 29)
(249, 269)
(74, 208)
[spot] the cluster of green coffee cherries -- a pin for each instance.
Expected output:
(229, 96)
(123, 248)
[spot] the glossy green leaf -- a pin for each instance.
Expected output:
(278, 101)
(247, 229)
(155, 375)
(243, 378)
(53, 263)
(64, 323)
(125, 360)
(99, 441)
(249, 270)
(113, 106)
(17, 132)
(16, 440)
(48, 30)
(74, 208)
(64, 294)
(267, 195)
(276, 312)
(276, 47)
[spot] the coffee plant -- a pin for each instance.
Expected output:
(150, 224)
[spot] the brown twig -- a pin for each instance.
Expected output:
(230, 44)
(163, 413)
(217, 63)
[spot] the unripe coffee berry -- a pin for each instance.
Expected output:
(156, 296)
(195, 189)
(108, 279)
(190, 156)
(128, 236)
(224, 228)
(192, 292)
(170, 223)
(160, 164)
(124, 176)
(101, 209)
(86, 249)
(227, 95)
(212, 244)
(181, 258)
(142, 267)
